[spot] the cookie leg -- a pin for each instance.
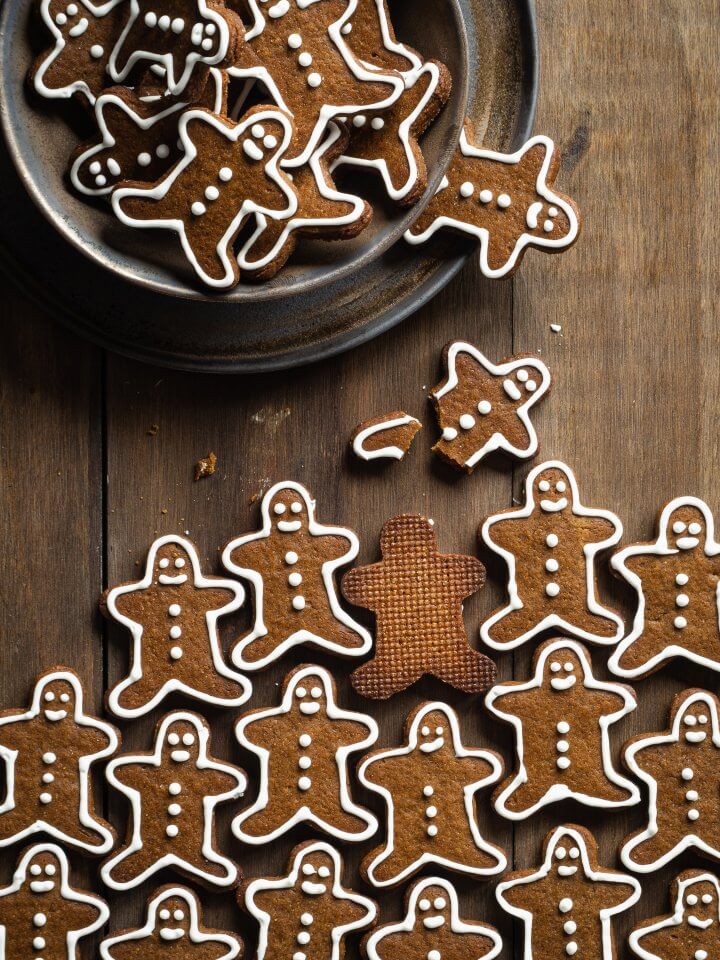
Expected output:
(347, 822)
(654, 848)
(79, 833)
(140, 693)
(13, 822)
(395, 863)
(598, 624)
(466, 669)
(130, 866)
(379, 679)
(524, 797)
(344, 637)
(275, 816)
(261, 647)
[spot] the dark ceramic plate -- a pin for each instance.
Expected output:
(128, 291)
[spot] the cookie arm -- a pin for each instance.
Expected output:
(472, 571)
(251, 555)
(360, 586)
(217, 597)
(130, 604)
(500, 532)
(9, 733)
(618, 892)
(220, 781)
(600, 528)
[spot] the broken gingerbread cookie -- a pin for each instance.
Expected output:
(387, 437)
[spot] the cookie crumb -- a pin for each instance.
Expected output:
(555, 327)
(205, 467)
(154, 430)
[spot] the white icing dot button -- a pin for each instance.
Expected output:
(428, 791)
(692, 796)
(467, 421)
(682, 600)
(563, 727)
(304, 783)
(298, 603)
(449, 433)
(174, 610)
(49, 758)
(295, 579)
(432, 830)
(693, 814)
(176, 653)
(434, 955)
(306, 919)
(305, 740)
(39, 920)
(304, 763)
(485, 196)
(679, 623)
(172, 830)
(565, 905)
(294, 41)
(571, 948)
(687, 774)
(484, 407)
(552, 589)
(303, 937)
(562, 763)
(700, 955)
(681, 579)
(314, 80)
(503, 201)
(551, 540)
(45, 798)
(174, 789)
(569, 926)
(291, 557)
(466, 189)
(39, 943)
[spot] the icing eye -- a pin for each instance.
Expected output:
(574, 853)
(173, 739)
(555, 667)
(544, 485)
(679, 527)
(188, 739)
(707, 898)
(36, 869)
(164, 914)
(296, 507)
(561, 486)
(50, 869)
(324, 872)
(316, 692)
(439, 903)
(279, 508)
(65, 697)
(522, 375)
(425, 731)
(692, 899)
(569, 667)
(561, 853)
(49, 696)
(178, 915)
(301, 692)
(424, 905)
(179, 563)
(694, 528)
(308, 869)
(703, 718)
(690, 720)
(439, 731)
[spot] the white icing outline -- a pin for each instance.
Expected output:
(559, 834)
(78, 86)
(211, 618)
(660, 548)
(590, 550)
(391, 452)
(144, 123)
(560, 791)
(675, 918)
(67, 892)
(174, 86)
(84, 764)
(327, 572)
(248, 206)
(457, 924)
(209, 804)
(525, 239)
(305, 813)
(689, 839)
(327, 112)
(469, 792)
(195, 935)
(404, 135)
(326, 189)
(283, 883)
(499, 441)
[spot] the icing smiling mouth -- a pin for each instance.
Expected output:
(171, 933)
(562, 683)
(554, 506)
(167, 580)
(42, 886)
(289, 526)
(54, 715)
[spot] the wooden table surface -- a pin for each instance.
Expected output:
(630, 91)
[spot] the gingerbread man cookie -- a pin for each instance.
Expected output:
(85, 34)
(677, 581)
(549, 545)
(291, 564)
(567, 905)
(387, 437)
(307, 913)
(173, 793)
(323, 212)
(429, 787)
(482, 406)
(228, 171)
(304, 746)
(561, 718)
(179, 35)
(41, 914)
(173, 928)
(48, 751)
(680, 768)
(416, 595)
(505, 200)
(138, 138)
(432, 928)
(692, 930)
(172, 615)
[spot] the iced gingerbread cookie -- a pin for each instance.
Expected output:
(506, 200)
(227, 172)
(676, 579)
(323, 212)
(692, 930)
(304, 747)
(173, 793)
(309, 912)
(173, 929)
(185, 37)
(549, 545)
(387, 437)
(84, 36)
(48, 751)
(567, 905)
(482, 406)
(291, 563)
(416, 594)
(41, 913)
(172, 616)
(680, 768)
(429, 788)
(308, 68)
(433, 929)
(138, 138)
(387, 140)
(561, 719)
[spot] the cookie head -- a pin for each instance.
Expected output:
(172, 918)
(565, 855)
(521, 383)
(309, 695)
(57, 698)
(289, 510)
(697, 722)
(700, 902)
(433, 908)
(44, 872)
(548, 220)
(402, 533)
(318, 873)
(687, 528)
(552, 491)
(180, 742)
(434, 732)
(69, 17)
(564, 669)
(173, 564)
